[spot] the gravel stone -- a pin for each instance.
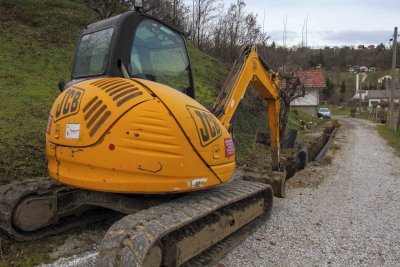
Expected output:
(349, 215)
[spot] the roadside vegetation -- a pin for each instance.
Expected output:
(392, 138)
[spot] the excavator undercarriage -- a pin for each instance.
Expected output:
(179, 231)
(194, 229)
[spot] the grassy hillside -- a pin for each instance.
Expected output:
(37, 44)
(392, 138)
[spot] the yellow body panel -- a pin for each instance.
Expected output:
(158, 141)
(205, 132)
(95, 105)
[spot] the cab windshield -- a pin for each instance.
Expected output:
(159, 54)
(92, 55)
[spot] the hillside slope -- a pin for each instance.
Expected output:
(37, 44)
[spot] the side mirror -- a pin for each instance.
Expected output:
(61, 85)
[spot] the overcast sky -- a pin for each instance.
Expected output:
(330, 22)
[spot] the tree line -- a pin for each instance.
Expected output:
(221, 32)
(214, 29)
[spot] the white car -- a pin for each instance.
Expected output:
(324, 113)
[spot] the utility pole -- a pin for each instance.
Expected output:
(393, 87)
(358, 90)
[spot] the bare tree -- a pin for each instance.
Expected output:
(291, 90)
(204, 13)
(173, 12)
(105, 8)
(252, 31)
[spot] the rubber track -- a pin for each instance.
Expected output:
(12, 193)
(129, 240)
(213, 254)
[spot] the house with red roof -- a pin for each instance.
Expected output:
(313, 82)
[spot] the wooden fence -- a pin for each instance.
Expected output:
(382, 116)
(375, 115)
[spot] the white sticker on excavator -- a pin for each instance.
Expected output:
(72, 131)
(199, 182)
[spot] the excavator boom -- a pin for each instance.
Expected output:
(251, 69)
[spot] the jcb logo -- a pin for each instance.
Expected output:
(207, 125)
(69, 104)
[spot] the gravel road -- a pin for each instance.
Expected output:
(345, 213)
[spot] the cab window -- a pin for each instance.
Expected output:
(159, 54)
(92, 55)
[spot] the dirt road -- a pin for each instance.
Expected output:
(348, 214)
(344, 211)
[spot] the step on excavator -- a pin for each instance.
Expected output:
(126, 135)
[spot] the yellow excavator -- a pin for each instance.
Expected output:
(127, 135)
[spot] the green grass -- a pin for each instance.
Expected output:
(30, 253)
(295, 116)
(335, 110)
(246, 124)
(37, 40)
(392, 138)
(209, 75)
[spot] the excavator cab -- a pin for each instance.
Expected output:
(128, 121)
(134, 45)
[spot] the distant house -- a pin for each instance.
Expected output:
(385, 82)
(371, 46)
(361, 47)
(314, 82)
(380, 98)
